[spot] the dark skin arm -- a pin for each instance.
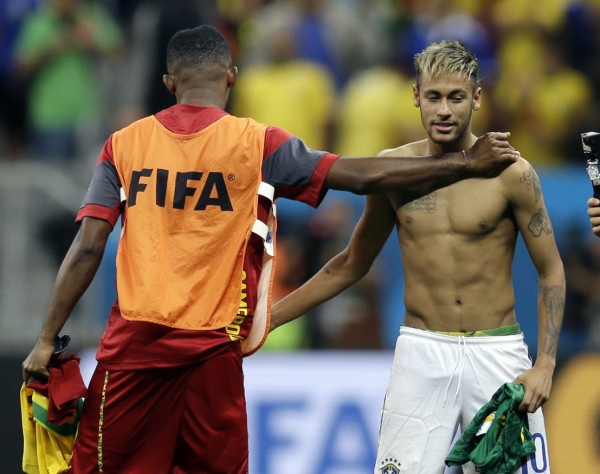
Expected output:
(490, 155)
(74, 277)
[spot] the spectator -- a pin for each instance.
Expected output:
(374, 113)
(291, 93)
(327, 32)
(56, 51)
(529, 14)
(536, 92)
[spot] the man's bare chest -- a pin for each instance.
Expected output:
(471, 207)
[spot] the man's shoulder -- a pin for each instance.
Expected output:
(417, 148)
(518, 169)
(519, 179)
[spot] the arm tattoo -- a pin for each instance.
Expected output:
(533, 182)
(553, 301)
(540, 223)
(423, 204)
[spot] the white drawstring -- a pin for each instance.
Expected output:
(461, 339)
(462, 346)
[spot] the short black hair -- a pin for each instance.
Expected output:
(197, 48)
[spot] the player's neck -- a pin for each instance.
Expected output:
(202, 96)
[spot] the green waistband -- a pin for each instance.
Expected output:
(503, 331)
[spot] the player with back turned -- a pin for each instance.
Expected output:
(196, 188)
(460, 340)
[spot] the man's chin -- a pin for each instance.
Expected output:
(443, 139)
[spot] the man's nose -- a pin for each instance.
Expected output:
(443, 109)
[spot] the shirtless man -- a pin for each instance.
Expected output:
(460, 340)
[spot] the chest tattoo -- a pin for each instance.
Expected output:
(423, 204)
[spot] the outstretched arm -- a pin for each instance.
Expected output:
(74, 276)
(535, 226)
(490, 155)
(344, 269)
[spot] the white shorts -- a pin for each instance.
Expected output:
(437, 384)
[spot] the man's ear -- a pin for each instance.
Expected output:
(416, 96)
(169, 82)
(477, 99)
(232, 75)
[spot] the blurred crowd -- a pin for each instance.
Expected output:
(337, 73)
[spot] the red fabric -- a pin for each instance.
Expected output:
(63, 388)
(100, 212)
(185, 119)
(166, 420)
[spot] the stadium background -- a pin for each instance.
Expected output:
(337, 73)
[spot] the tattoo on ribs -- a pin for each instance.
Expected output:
(533, 182)
(423, 204)
(540, 223)
(554, 302)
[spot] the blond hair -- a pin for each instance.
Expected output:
(447, 57)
